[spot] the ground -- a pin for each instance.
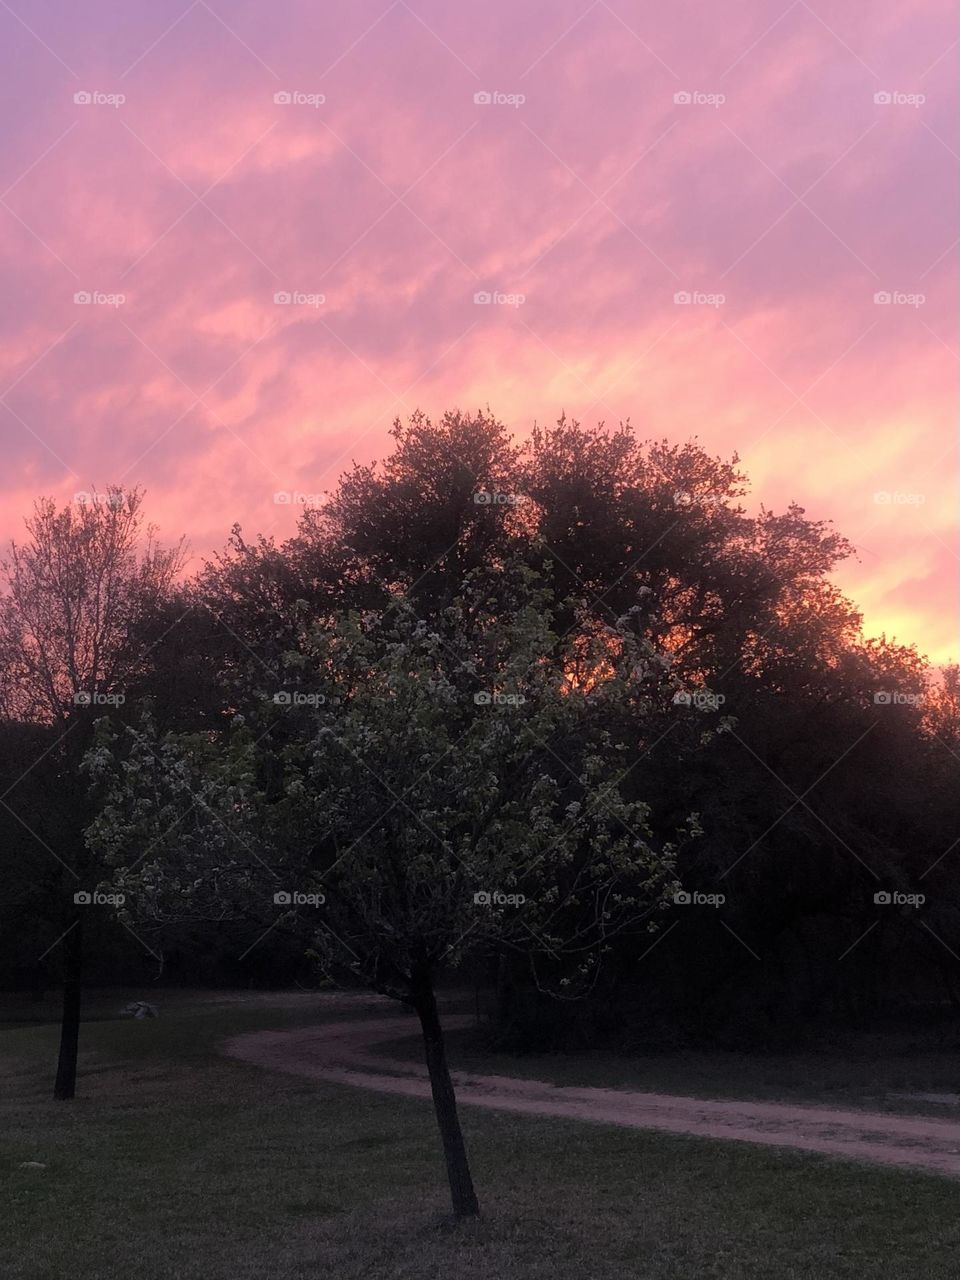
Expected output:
(177, 1162)
(342, 1051)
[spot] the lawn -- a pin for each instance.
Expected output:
(871, 1071)
(177, 1164)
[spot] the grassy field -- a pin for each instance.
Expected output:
(867, 1071)
(177, 1164)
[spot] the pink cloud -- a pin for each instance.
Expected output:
(598, 198)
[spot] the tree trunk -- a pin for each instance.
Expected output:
(66, 1085)
(445, 1103)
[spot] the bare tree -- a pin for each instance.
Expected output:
(74, 598)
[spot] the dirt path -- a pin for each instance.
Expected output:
(337, 1052)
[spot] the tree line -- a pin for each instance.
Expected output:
(560, 715)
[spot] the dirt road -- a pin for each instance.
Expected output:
(337, 1052)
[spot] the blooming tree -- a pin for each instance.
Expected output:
(414, 793)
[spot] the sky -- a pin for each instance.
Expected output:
(237, 239)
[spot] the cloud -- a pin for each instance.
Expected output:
(598, 198)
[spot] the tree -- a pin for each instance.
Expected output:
(741, 604)
(73, 597)
(416, 792)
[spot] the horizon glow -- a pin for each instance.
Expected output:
(736, 223)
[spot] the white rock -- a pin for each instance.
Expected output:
(140, 1009)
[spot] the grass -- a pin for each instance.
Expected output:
(863, 1072)
(178, 1164)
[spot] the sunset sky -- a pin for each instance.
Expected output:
(780, 164)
